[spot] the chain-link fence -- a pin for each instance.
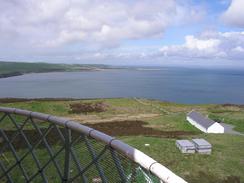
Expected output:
(36, 147)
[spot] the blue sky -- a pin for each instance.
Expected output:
(124, 32)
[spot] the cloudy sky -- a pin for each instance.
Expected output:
(124, 32)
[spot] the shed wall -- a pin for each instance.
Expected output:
(194, 123)
(216, 128)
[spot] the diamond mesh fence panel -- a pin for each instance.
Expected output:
(33, 150)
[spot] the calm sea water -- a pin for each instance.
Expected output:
(169, 84)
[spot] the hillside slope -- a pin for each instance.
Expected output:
(8, 69)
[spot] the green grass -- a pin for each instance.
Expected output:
(226, 160)
(61, 108)
(174, 120)
(237, 121)
(58, 108)
(233, 115)
(225, 164)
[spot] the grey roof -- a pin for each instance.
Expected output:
(185, 143)
(201, 143)
(200, 119)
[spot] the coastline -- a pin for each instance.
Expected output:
(44, 99)
(11, 69)
(7, 75)
(7, 100)
(13, 74)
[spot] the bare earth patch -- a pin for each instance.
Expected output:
(91, 119)
(133, 128)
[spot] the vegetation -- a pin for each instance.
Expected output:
(225, 164)
(87, 107)
(8, 69)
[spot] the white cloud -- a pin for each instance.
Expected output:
(106, 23)
(234, 15)
(238, 49)
(201, 44)
(207, 46)
(225, 45)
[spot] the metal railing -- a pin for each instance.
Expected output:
(36, 147)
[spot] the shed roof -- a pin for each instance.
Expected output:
(185, 143)
(201, 143)
(200, 119)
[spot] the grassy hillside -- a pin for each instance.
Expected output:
(225, 164)
(8, 69)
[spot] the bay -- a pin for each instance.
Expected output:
(181, 85)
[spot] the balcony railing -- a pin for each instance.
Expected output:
(36, 147)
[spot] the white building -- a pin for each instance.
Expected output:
(203, 123)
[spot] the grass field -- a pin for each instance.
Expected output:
(225, 164)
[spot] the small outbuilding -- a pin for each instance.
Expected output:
(185, 146)
(203, 123)
(202, 146)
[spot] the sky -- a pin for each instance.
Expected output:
(199, 33)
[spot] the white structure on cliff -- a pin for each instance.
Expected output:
(203, 123)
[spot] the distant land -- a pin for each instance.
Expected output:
(9, 69)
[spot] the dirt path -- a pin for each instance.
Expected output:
(152, 105)
(91, 119)
(230, 129)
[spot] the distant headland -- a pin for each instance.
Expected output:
(10, 69)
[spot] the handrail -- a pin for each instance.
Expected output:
(163, 173)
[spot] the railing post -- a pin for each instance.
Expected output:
(67, 155)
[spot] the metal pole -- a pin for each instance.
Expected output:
(67, 155)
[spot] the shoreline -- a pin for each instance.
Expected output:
(8, 75)
(46, 99)
(11, 69)
(13, 100)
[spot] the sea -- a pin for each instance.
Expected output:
(179, 85)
